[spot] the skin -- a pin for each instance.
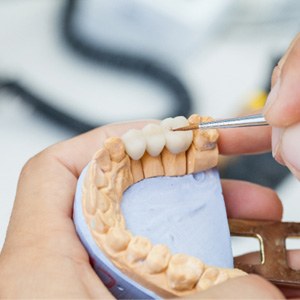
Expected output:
(282, 109)
(42, 255)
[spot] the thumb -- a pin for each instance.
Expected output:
(245, 287)
(283, 104)
(286, 147)
(282, 109)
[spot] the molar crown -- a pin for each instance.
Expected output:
(184, 271)
(176, 141)
(138, 249)
(118, 238)
(155, 139)
(135, 143)
(208, 279)
(158, 259)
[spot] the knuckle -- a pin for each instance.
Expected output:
(35, 162)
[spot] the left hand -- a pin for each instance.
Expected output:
(42, 255)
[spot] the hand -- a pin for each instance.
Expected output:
(282, 109)
(42, 255)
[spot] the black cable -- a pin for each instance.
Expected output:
(101, 55)
(43, 107)
(241, 169)
(136, 64)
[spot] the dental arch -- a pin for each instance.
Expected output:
(153, 151)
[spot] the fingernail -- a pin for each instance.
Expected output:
(272, 97)
(290, 148)
(276, 143)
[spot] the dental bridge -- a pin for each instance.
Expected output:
(154, 151)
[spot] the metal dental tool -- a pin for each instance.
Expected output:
(246, 121)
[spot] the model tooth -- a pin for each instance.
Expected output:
(176, 141)
(116, 148)
(120, 221)
(203, 140)
(103, 160)
(183, 272)
(211, 135)
(223, 276)
(135, 143)
(118, 238)
(91, 200)
(108, 218)
(232, 273)
(98, 176)
(124, 177)
(155, 139)
(98, 225)
(158, 259)
(103, 201)
(208, 279)
(138, 249)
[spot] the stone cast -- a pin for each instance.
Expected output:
(152, 151)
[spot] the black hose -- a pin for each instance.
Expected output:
(137, 64)
(42, 106)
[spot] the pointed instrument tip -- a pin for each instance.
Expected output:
(186, 128)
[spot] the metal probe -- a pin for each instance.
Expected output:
(246, 121)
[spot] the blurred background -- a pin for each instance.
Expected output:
(68, 65)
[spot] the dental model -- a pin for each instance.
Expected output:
(139, 154)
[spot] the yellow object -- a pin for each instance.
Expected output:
(257, 101)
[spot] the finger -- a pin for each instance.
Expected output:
(283, 105)
(245, 200)
(244, 140)
(286, 147)
(253, 258)
(293, 258)
(278, 68)
(245, 287)
(276, 143)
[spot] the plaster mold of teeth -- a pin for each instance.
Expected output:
(198, 156)
(138, 154)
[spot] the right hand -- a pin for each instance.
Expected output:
(282, 109)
